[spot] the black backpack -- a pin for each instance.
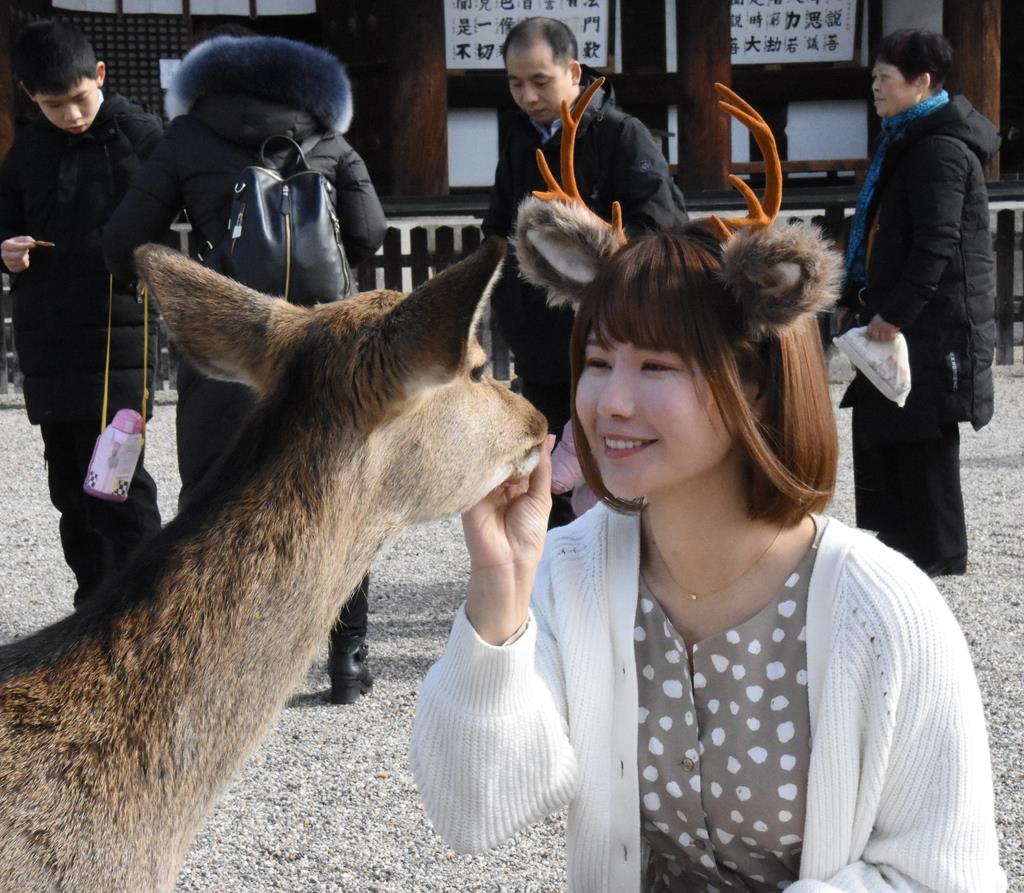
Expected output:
(283, 236)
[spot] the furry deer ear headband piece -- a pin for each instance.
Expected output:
(776, 272)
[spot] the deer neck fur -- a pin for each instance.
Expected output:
(121, 724)
(187, 672)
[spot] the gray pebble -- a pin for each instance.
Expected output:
(327, 802)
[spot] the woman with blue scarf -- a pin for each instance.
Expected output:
(920, 262)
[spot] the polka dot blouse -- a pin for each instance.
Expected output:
(723, 755)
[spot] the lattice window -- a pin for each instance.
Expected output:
(132, 47)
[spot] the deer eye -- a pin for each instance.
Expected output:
(477, 373)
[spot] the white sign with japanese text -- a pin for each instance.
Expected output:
(476, 29)
(781, 31)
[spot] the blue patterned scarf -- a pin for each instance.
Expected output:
(893, 128)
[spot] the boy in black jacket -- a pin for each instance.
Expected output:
(59, 183)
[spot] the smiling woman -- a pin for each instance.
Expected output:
(647, 415)
(726, 688)
(665, 294)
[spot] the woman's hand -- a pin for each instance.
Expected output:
(14, 252)
(880, 330)
(505, 534)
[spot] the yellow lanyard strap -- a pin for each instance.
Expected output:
(145, 357)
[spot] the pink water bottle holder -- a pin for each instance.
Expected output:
(116, 454)
(115, 457)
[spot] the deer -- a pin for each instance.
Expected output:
(122, 723)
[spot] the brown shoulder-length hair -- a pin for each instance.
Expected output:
(664, 291)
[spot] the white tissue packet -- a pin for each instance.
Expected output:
(886, 364)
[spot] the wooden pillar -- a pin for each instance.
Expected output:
(643, 37)
(6, 81)
(702, 41)
(643, 52)
(874, 12)
(975, 30)
(419, 100)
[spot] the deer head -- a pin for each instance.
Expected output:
(400, 377)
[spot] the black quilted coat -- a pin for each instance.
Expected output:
(63, 187)
(931, 271)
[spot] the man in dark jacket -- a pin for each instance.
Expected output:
(230, 93)
(921, 263)
(62, 178)
(616, 159)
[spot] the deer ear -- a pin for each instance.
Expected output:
(226, 330)
(560, 247)
(424, 340)
(779, 273)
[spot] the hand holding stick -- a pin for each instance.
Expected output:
(14, 252)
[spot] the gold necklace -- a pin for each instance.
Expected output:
(693, 596)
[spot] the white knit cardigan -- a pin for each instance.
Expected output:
(899, 788)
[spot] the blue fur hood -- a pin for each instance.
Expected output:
(274, 68)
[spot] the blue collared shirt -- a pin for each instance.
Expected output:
(547, 132)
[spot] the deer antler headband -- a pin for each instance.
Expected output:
(776, 272)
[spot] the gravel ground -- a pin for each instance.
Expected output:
(327, 802)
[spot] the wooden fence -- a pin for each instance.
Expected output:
(428, 251)
(411, 254)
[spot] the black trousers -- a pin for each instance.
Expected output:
(97, 536)
(210, 414)
(553, 401)
(910, 493)
(351, 623)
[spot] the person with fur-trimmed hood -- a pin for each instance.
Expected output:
(229, 94)
(726, 688)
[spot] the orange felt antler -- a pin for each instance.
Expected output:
(758, 213)
(570, 123)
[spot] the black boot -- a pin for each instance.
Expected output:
(348, 668)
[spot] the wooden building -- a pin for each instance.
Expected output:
(409, 101)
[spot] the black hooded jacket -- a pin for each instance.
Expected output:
(227, 97)
(931, 272)
(62, 188)
(616, 159)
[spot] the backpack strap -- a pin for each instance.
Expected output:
(307, 145)
(310, 143)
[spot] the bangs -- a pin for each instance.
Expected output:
(656, 296)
